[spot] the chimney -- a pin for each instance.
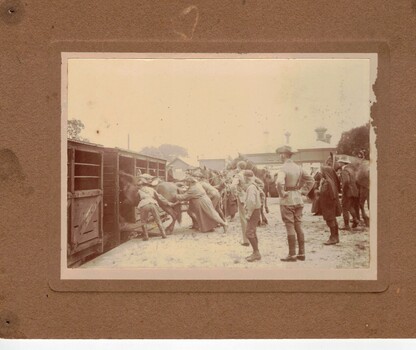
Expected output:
(287, 134)
(320, 134)
(328, 138)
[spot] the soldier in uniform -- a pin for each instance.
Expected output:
(238, 187)
(149, 205)
(349, 195)
(292, 182)
(252, 204)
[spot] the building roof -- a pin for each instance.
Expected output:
(180, 161)
(313, 144)
(213, 163)
(263, 158)
(87, 143)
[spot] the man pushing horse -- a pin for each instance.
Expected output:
(149, 205)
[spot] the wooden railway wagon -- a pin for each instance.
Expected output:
(84, 201)
(95, 201)
(116, 160)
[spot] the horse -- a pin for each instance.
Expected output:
(130, 188)
(361, 170)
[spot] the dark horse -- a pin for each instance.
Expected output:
(129, 187)
(261, 174)
(361, 170)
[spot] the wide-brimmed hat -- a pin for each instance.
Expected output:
(198, 174)
(286, 149)
(248, 173)
(190, 179)
(145, 178)
(343, 159)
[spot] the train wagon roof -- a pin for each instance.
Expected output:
(87, 143)
(123, 150)
(136, 153)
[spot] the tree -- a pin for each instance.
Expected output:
(354, 141)
(152, 152)
(166, 151)
(75, 126)
(172, 151)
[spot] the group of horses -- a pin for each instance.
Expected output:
(222, 179)
(360, 168)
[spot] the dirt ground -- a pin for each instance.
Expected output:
(187, 248)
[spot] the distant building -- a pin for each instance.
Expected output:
(179, 163)
(314, 150)
(177, 169)
(263, 160)
(213, 164)
(311, 152)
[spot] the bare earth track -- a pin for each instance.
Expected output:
(187, 248)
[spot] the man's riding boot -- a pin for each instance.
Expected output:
(301, 245)
(336, 232)
(291, 239)
(332, 239)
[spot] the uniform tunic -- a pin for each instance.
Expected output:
(252, 206)
(149, 203)
(293, 178)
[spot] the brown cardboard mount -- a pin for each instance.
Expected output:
(35, 303)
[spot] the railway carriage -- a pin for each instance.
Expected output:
(84, 200)
(95, 201)
(133, 163)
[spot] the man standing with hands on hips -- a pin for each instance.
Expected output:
(292, 182)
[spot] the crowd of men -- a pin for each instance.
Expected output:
(292, 183)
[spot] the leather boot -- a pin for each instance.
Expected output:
(301, 243)
(333, 239)
(256, 254)
(291, 239)
(336, 233)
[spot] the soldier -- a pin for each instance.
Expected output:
(252, 205)
(292, 181)
(149, 205)
(349, 195)
(238, 187)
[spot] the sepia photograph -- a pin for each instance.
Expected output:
(218, 166)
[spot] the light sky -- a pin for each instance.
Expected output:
(216, 107)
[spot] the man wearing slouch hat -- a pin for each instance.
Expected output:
(292, 182)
